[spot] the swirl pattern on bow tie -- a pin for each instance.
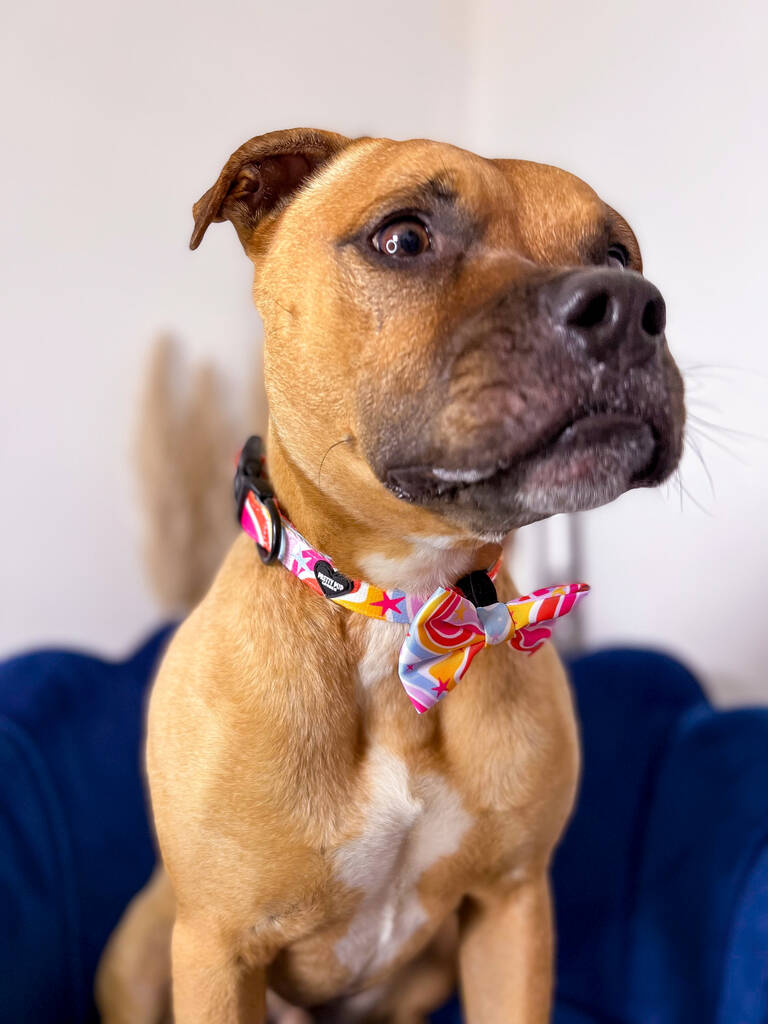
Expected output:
(446, 634)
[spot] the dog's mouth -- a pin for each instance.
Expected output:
(586, 461)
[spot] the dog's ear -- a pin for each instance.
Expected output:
(259, 175)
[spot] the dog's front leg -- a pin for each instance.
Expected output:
(209, 983)
(505, 955)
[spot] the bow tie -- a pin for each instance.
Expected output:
(446, 630)
(449, 630)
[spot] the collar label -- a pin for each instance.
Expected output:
(332, 583)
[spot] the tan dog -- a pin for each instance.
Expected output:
(455, 347)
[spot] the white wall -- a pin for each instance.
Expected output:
(117, 119)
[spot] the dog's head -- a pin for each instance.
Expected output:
(476, 334)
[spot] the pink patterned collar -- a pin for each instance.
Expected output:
(447, 628)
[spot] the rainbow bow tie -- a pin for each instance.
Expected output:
(449, 630)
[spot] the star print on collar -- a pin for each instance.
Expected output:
(389, 604)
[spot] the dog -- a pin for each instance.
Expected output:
(455, 347)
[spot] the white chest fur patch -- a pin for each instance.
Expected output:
(410, 823)
(383, 641)
(433, 566)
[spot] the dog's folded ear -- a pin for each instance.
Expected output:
(262, 173)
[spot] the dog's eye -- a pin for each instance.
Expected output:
(617, 257)
(403, 238)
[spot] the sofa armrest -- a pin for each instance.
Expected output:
(629, 703)
(700, 923)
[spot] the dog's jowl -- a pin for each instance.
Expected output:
(361, 747)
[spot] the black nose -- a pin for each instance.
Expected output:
(616, 315)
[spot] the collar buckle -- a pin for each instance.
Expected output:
(251, 478)
(478, 587)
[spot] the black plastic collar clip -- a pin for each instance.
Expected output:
(478, 587)
(250, 476)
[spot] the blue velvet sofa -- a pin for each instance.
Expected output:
(661, 881)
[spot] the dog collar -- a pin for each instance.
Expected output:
(447, 628)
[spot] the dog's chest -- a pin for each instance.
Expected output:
(410, 822)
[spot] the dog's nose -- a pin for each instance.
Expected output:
(617, 315)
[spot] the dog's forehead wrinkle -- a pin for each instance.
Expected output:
(389, 156)
(414, 191)
(408, 174)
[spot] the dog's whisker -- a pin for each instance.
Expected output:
(706, 424)
(702, 434)
(675, 480)
(668, 489)
(710, 425)
(698, 370)
(285, 309)
(702, 374)
(343, 440)
(696, 502)
(701, 404)
(697, 452)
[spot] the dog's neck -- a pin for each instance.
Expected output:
(363, 550)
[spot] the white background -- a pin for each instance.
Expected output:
(117, 117)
